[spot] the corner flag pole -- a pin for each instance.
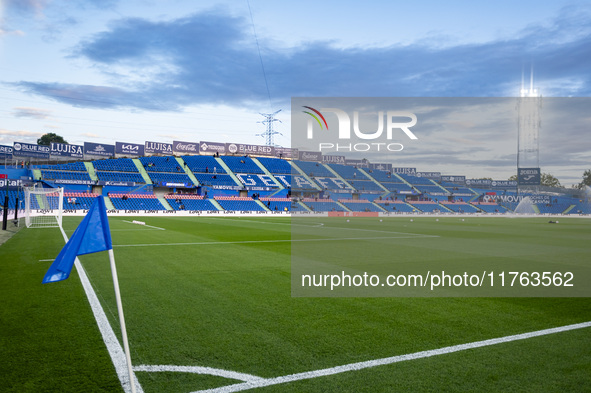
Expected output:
(122, 320)
(92, 235)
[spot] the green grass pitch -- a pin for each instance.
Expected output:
(207, 292)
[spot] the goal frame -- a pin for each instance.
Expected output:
(46, 210)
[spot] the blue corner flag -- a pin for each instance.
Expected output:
(92, 235)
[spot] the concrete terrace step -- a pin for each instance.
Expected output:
(91, 171)
(183, 165)
(142, 170)
(227, 168)
(165, 203)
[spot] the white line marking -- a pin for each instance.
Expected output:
(113, 346)
(201, 370)
(46, 260)
(390, 360)
(150, 226)
(273, 241)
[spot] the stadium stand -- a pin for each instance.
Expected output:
(275, 166)
(277, 204)
(238, 203)
(78, 200)
(163, 170)
(208, 171)
(72, 171)
(356, 178)
(135, 202)
(189, 202)
(581, 207)
(161, 164)
(396, 206)
(365, 185)
(348, 172)
(391, 182)
(325, 187)
(490, 207)
(459, 207)
(203, 164)
(64, 175)
(457, 190)
(297, 182)
(118, 165)
(324, 205)
(117, 170)
(242, 164)
(120, 176)
(313, 169)
(428, 206)
(12, 197)
(214, 179)
(360, 205)
(176, 178)
(552, 208)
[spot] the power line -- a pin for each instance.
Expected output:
(260, 56)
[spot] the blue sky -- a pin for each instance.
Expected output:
(136, 70)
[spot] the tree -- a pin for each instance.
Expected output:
(547, 180)
(550, 181)
(46, 139)
(586, 179)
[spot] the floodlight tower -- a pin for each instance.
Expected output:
(270, 132)
(528, 126)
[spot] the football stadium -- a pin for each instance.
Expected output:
(401, 228)
(204, 244)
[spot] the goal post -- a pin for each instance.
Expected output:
(44, 207)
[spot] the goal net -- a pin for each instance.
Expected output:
(44, 207)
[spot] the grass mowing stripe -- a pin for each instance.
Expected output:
(318, 225)
(111, 342)
(273, 241)
(390, 360)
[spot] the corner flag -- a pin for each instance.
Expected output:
(92, 235)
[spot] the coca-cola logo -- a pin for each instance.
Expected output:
(186, 146)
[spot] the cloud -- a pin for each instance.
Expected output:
(91, 96)
(33, 113)
(27, 6)
(52, 17)
(90, 135)
(211, 58)
(39, 7)
(10, 136)
(20, 133)
(5, 32)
